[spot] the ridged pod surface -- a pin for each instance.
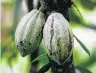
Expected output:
(58, 38)
(29, 31)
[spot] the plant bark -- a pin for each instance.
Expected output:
(68, 67)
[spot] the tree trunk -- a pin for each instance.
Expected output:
(68, 67)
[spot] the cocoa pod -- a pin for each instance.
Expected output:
(29, 32)
(58, 38)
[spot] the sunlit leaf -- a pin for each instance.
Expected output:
(77, 10)
(82, 45)
(39, 57)
(82, 70)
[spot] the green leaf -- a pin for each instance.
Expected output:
(82, 45)
(82, 70)
(77, 9)
(39, 57)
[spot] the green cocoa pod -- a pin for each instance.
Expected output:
(29, 31)
(58, 38)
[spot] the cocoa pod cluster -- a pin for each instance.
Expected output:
(55, 31)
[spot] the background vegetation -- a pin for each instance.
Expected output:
(84, 28)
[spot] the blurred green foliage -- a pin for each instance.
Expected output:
(9, 53)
